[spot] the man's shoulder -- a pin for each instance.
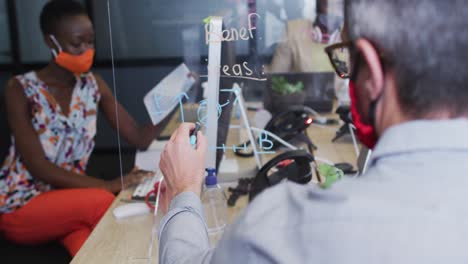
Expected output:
(290, 199)
(378, 209)
(283, 221)
(290, 203)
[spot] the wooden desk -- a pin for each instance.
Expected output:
(127, 241)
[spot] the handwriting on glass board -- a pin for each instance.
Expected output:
(237, 69)
(265, 144)
(232, 34)
(241, 70)
(203, 107)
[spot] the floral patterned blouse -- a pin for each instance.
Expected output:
(66, 141)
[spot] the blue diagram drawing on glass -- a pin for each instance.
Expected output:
(244, 147)
(265, 144)
(180, 97)
(234, 90)
(262, 140)
(160, 110)
(201, 111)
(233, 147)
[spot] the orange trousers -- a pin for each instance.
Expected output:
(67, 215)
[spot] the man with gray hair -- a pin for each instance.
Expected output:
(408, 64)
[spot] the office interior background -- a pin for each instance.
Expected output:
(149, 39)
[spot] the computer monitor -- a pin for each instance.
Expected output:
(228, 57)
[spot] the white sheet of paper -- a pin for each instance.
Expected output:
(164, 97)
(148, 160)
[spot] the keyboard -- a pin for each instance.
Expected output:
(144, 188)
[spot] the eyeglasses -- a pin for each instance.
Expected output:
(343, 55)
(340, 57)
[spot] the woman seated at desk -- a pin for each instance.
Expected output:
(44, 192)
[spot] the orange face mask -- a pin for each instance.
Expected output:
(76, 64)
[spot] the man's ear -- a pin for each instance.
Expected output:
(372, 61)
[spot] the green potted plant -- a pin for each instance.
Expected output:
(285, 94)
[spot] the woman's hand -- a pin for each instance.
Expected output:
(134, 177)
(182, 165)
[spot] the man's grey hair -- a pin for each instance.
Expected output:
(425, 42)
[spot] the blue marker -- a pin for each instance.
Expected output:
(193, 135)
